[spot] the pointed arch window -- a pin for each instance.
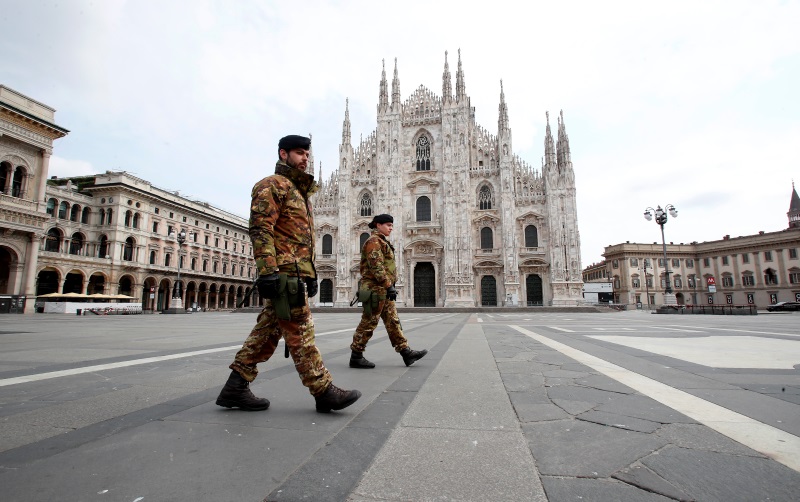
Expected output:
(327, 244)
(485, 197)
(531, 237)
(487, 238)
(423, 154)
(362, 239)
(423, 209)
(366, 205)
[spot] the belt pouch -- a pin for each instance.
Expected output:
(281, 302)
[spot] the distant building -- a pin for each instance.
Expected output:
(759, 269)
(475, 225)
(107, 233)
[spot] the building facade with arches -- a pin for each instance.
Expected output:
(27, 133)
(110, 233)
(114, 233)
(475, 225)
(759, 269)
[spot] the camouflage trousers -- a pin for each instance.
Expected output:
(388, 312)
(299, 335)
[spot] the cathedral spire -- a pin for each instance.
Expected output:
(447, 88)
(502, 121)
(346, 124)
(794, 209)
(563, 153)
(319, 176)
(461, 91)
(383, 98)
(549, 148)
(395, 87)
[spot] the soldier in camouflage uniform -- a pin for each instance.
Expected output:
(282, 231)
(379, 273)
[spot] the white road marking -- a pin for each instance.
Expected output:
(738, 352)
(480, 320)
(754, 332)
(122, 364)
(677, 329)
(561, 329)
(772, 442)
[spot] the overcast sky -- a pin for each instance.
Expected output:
(695, 104)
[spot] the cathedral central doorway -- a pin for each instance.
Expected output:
(533, 290)
(488, 291)
(424, 285)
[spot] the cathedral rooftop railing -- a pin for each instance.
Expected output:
(422, 107)
(363, 179)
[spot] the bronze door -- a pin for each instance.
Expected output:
(424, 285)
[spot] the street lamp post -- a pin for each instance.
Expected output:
(646, 284)
(661, 219)
(176, 304)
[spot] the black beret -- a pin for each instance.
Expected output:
(381, 218)
(293, 141)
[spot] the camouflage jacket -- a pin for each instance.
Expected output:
(378, 269)
(282, 222)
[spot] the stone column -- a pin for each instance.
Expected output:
(31, 262)
(45, 168)
(9, 179)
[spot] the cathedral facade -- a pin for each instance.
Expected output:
(474, 224)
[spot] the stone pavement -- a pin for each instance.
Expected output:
(494, 412)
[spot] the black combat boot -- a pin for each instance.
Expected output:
(335, 398)
(357, 360)
(237, 394)
(412, 356)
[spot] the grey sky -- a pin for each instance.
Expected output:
(690, 103)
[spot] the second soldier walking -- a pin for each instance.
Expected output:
(378, 294)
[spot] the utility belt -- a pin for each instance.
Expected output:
(291, 293)
(369, 299)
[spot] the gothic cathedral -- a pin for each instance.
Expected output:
(475, 225)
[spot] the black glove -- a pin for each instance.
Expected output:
(267, 285)
(312, 286)
(391, 293)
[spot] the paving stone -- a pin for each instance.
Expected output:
(619, 421)
(560, 373)
(577, 448)
(596, 490)
(518, 382)
(574, 407)
(645, 408)
(644, 478)
(735, 477)
(602, 382)
(700, 437)
(575, 393)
